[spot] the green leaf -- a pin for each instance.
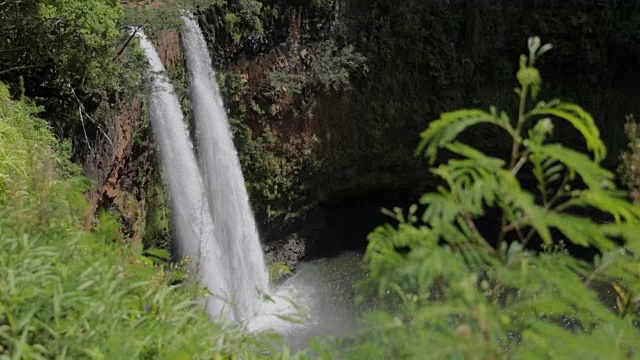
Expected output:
(439, 206)
(446, 129)
(594, 176)
(628, 231)
(581, 231)
(515, 199)
(481, 158)
(611, 202)
(162, 254)
(579, 118)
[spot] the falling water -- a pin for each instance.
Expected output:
(234, 226)
(213, 222)
(192, 217)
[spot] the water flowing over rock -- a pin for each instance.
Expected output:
(213, 222)
(234, 226)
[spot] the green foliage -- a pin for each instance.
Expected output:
(31, 164)
(157, 232)
(332, 66)
(308, 71)
(279, 174)
(243, 22)
(73, 293)
(71, 36)
(153, 17)
(279, 271)
(66, 55)
(467, 290)
(62, 45)
(82, 30)
(236, 26)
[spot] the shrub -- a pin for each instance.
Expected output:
(31, 165)
(511, 289)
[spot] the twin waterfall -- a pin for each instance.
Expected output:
(214, 224)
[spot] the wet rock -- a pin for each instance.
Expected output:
(289, 250)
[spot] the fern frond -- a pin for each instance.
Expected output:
(501, 298)
(616, 264)
(474, 154)
(385, 240)
(579, 118)
(471, 187)
(517, 201)
(440, 205)
(594, 176)
(581, 231)
(472, 184)
(547, 171)
(611, 202)
(628, 231)
(446, 129)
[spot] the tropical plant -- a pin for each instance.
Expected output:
(32, 164)
(472, 288)
(73, 38)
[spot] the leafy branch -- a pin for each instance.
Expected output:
(554, 166)
(484, 289)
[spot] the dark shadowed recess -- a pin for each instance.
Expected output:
(348, 222)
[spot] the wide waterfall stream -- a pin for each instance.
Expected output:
(214, 225)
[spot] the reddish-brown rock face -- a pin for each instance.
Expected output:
(108, 157)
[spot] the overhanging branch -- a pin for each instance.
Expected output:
(23, 67)
(126, 44)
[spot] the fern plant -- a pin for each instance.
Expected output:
(469, 292)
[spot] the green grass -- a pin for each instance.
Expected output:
(72, 285)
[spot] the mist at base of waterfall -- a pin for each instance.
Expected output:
(319, 297)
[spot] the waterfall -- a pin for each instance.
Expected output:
(214, 225)
(192, 218)
(234, 225)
